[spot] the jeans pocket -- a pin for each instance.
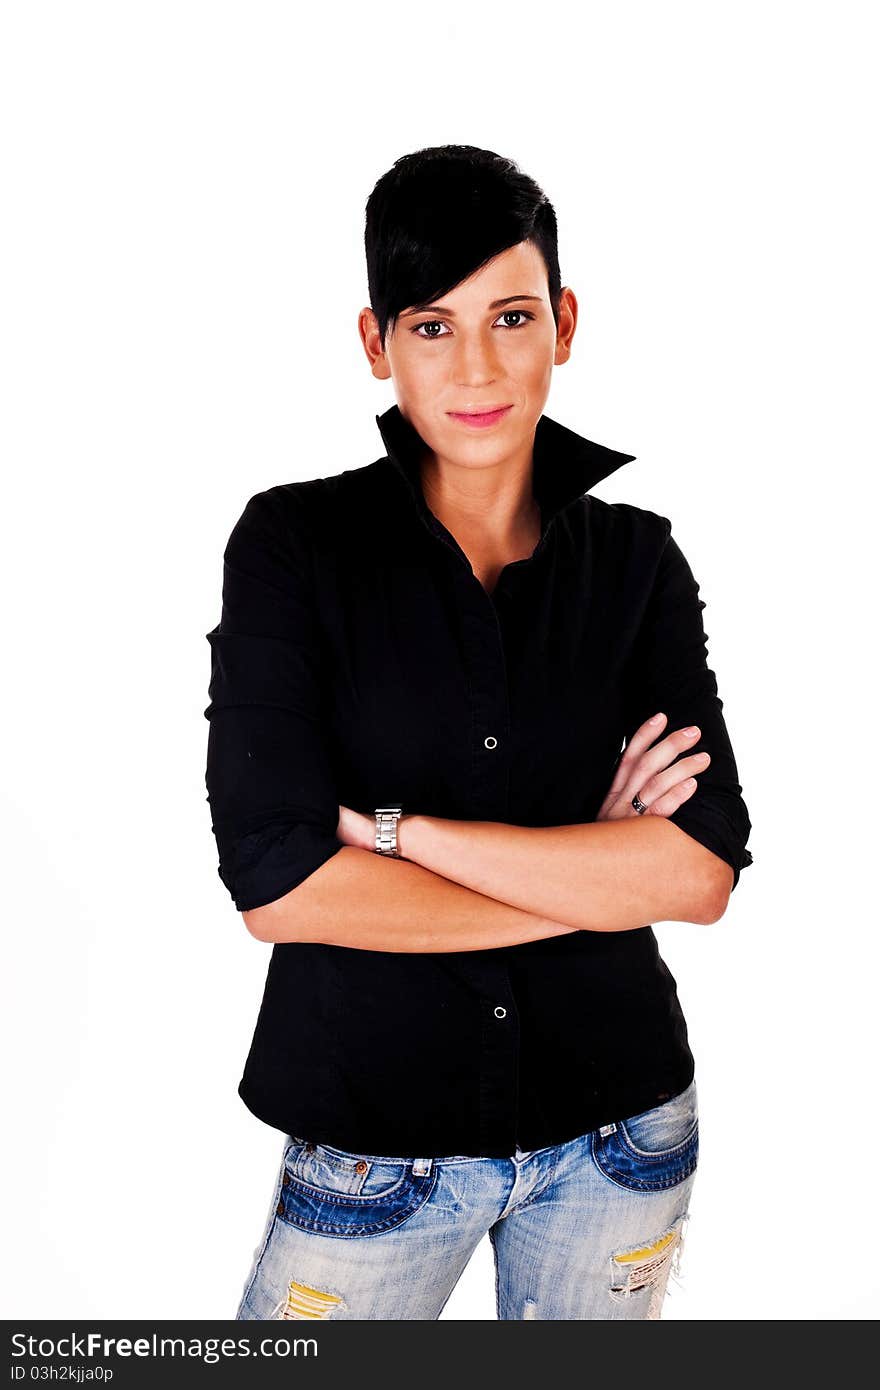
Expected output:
(654, 1150)
(331, 1192)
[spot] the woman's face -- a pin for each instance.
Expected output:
(489, 342)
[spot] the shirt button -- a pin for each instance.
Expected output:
(490, 742)
(500, 1012)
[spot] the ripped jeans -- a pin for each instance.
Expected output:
(586, 1229)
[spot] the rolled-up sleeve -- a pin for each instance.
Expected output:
(274, 809)
(670, 672)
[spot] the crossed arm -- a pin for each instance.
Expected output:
(462, 885)
(470, 885)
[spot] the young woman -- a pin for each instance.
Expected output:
(423, 676)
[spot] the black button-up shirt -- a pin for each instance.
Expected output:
(360, 661)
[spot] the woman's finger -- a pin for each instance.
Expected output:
(673, 798)
(678, 780)
(640, 742)
(669, 777)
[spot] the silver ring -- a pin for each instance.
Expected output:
(639, 804)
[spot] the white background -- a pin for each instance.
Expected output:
(182, 269)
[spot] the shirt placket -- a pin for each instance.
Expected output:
(488, 799)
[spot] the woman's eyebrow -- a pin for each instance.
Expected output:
(442, 309)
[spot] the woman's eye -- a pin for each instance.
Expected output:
(437, 323)
(516, 313)
(429, 323)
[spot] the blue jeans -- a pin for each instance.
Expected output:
(586, 1229)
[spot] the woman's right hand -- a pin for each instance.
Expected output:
(651, 771)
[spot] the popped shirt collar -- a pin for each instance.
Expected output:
(565, 464)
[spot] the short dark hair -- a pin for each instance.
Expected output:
(441, 213)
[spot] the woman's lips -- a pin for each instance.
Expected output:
(483, 420)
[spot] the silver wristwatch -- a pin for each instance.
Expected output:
(386, 830)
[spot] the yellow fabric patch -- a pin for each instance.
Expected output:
(305, 1302)
(632, 1256)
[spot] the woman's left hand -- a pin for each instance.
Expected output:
(356, 829)
(652, 772)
